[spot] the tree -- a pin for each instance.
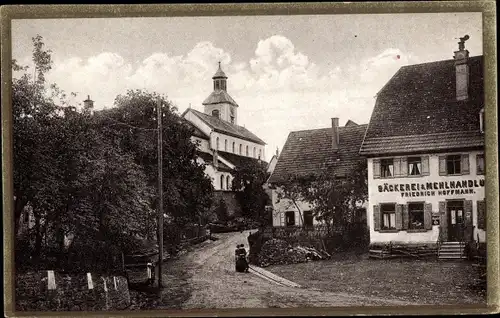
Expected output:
(334, 199)
(248, 181)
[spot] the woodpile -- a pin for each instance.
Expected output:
(279, 252)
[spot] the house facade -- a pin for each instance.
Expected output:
(425, 154)
(312, 152)
(223, 145)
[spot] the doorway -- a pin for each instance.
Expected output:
(456, 219)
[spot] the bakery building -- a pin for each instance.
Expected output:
(425, 153)
(311, 153)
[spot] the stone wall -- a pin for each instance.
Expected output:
(229, 197)
(57, 291)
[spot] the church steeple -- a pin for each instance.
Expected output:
(220, 80)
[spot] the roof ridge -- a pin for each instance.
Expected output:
(420, 135)
(440, 61)
(358, 126)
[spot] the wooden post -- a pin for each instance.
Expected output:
(160, 194)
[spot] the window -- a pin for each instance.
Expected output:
(225, 144)
(290, 218)
(480, 164)
(416, 216)
(228, 185)
(260, 153)
(388, 216)
(234, 144)
(241, 149)
(386, 168)
(453, 164)
(217, 143)
(222, 182)
(254, 152)
(215, 113)
(232, 119)
(246, 151)
(217, 83)
(308, 218)
(414, 166)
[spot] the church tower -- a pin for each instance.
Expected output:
(219, 104)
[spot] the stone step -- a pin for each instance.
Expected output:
(451, 248)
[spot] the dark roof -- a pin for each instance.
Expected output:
(309, 152)
(208, 158)
(219, 96)
(227, 128)
(197, 132)
(238, 160)
(417, 110)
(350, 123)
(220, 73)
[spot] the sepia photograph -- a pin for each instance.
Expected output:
(179, 163)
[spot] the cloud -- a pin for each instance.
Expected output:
(279, 89)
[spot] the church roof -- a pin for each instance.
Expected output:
(209, 159)
(417, 110)
(219, 96)
(220, 73)
(238, 160)
(227, 128)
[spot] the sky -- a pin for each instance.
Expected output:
(286, 73)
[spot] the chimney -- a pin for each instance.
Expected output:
(335, 133)
(88, 103)
(216, 159)
(462, 70)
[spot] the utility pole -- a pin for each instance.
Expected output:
(160, 194)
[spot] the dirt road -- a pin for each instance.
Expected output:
(205, 278)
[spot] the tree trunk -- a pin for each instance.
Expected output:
(300, 213)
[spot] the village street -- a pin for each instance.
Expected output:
(205, 278)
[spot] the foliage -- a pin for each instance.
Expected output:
(334, 199)
(249, 180)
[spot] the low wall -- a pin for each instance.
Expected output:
(56, 291)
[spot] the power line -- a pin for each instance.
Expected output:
(128, 125)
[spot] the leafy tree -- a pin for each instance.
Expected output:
(334, 199)
(248, 181)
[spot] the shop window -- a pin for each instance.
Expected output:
(416, 216)
(415, 166)
(290, 218)
(388, 212)
(453, 164)
(308, 218)
(387, 168)
(215, 113)
(480, 164)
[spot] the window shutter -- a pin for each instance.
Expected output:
(282, 218)
(481, 215)
(442, 165)
(444, 219)
(397, 167)
(406, 217)
(428, 216)
(425, 166)
(479, 169)
(399, 216)
(376, 218)
(376, 168)
(468, 212)
(465, 164)
(404, 167)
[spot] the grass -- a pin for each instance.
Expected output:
(422, 281)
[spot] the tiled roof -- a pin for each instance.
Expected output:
(238, 160)
(417, 110)
(219, 96)
(309, 152)
(224, 127)
(208, 158)
(219, 73)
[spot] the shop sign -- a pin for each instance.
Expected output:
(439, 188)
(435, 220)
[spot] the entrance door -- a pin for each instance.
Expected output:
(456, 220)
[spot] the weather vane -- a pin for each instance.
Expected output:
(461, 44)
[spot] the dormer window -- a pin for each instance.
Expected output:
(215, 113)
(481, 120)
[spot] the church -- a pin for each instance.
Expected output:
(223, 145)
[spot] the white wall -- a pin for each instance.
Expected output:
(237, 142)
(280, 206)
(376, 197)
(198, 122)
(204, 144)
